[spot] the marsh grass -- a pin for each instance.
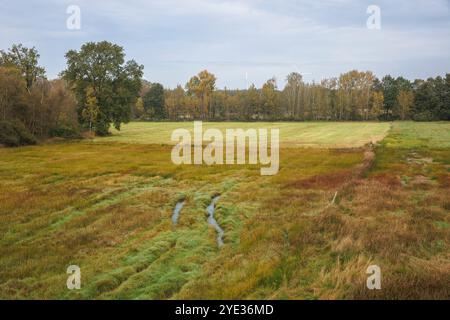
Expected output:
(106, 206)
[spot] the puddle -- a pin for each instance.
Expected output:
(210, 209)
(176, 212)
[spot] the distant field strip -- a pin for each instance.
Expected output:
(292, 134)
(419, 135)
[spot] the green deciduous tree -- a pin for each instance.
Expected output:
(431, 99)
(154, 101)
(390, 92)
(26, 60)
(116, 83)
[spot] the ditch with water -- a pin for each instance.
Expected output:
(211, 220)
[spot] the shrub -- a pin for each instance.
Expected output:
(102, 131)
(424, 116)
(8, 136)
(65, 132)
(14, 134)
(26, 138)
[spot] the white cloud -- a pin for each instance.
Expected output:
(175, 38)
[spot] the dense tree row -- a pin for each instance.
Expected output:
(28, 100)
(99, 89)
(353, 96)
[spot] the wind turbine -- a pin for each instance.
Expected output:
(297, 69)
(246, 79)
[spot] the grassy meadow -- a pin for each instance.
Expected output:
(292, 134)
(106, 206)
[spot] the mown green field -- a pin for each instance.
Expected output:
(292, 134)
(106, 205)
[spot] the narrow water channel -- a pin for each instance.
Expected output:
(210, 210)
(176, 212)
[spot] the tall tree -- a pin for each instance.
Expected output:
(116, 83)
(202, 86)
(377, 105)
(292, 91)
(12, 87)
(26, 60)
(253, 102)
(176, 103)
(354, 95)
(138, 109)
(270, 102)
(430, 100)
(62, 105)
(446, 111)
(405, 100)
(390, 92)
(91, 109)
(154, 101)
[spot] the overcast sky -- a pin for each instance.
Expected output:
(244, 40)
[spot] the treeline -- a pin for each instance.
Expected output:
(99, 89)
(354, 96)
(31, 105)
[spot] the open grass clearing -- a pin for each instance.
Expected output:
(292, 134)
